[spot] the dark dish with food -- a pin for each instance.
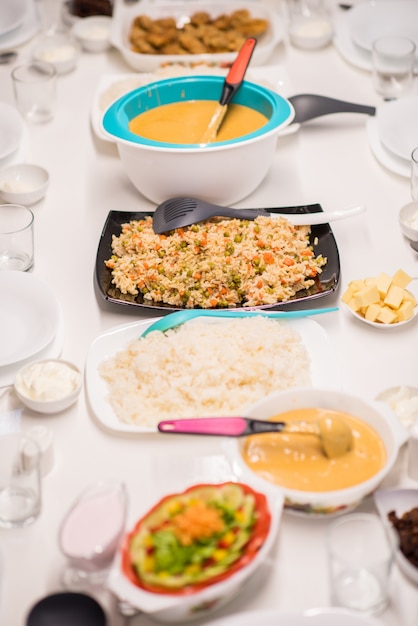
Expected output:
(199, 34)
(215, 264)
(407, 528)
(196, 538)
(88, 8)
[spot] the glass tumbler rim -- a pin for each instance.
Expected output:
(18, 230)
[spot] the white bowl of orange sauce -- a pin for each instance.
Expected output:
(296, 464)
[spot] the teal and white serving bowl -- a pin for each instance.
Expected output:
(222, 172)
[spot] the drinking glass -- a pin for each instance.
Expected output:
(393, 61)
(34, 84)
(360, 554)
(91, 532)
(20, 481)
(16, 237)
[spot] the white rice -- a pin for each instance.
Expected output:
(204, 368)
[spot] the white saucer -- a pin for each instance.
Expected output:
(370, 20)
(51, 351)
(11, 130)
(28, 316)
(19, 155)
(28, 29)
(397, 123)
(13, 13)
(386, 158)
(353, 54)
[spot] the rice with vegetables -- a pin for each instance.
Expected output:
(216, 263)
(204, 368)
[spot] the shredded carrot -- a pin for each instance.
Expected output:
(197, 521)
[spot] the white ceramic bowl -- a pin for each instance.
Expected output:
(60, 50)
(311, 33)
(93, 33)
(403, 400)
(124, 13)
(400, 501)
(35, 381)
(221, 172)
(316, 504)
(408, 220)
(182, 608)
(23, 183)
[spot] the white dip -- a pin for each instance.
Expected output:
(49, 380)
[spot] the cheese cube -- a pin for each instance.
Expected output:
(406, 311)
(409, 297)
(401, 279)
(372, 312)
(370, 280)
(394, 296)
(387, 315)
(348, 294)
(367, 295)
(383, 282)
(353, 305)
(356, 284)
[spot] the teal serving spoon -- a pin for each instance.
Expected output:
(179, 317)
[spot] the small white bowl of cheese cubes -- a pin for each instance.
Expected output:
(382, 301)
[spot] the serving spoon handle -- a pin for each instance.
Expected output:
(180, 317)
(221, 426)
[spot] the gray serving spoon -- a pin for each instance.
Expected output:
(180, 212)
(334, 433)
(309, 106)
(180, 317)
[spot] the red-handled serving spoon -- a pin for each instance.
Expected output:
(232, 83)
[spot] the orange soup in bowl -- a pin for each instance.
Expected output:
(186, 122)
(297, 461)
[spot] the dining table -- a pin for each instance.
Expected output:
(328, 160)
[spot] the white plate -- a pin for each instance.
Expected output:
(12, 14)
(28, 29)
(353, 54)
(113, 86)
(29, 316)
(386, 158)
(371, 20)
(400, 501)
(311, 617)
(397, 122)
(124, 13)
(324, 367)
(11, 129)
(51, 351)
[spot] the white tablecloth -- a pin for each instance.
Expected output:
(327, 161)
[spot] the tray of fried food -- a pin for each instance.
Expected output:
(163, 34)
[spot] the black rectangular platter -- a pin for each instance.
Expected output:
(322, 240)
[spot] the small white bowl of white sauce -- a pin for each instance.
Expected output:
(408, 220)
(23, 183)
(93, 33)
(311, 33)
(48, 386)
(60, 50)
